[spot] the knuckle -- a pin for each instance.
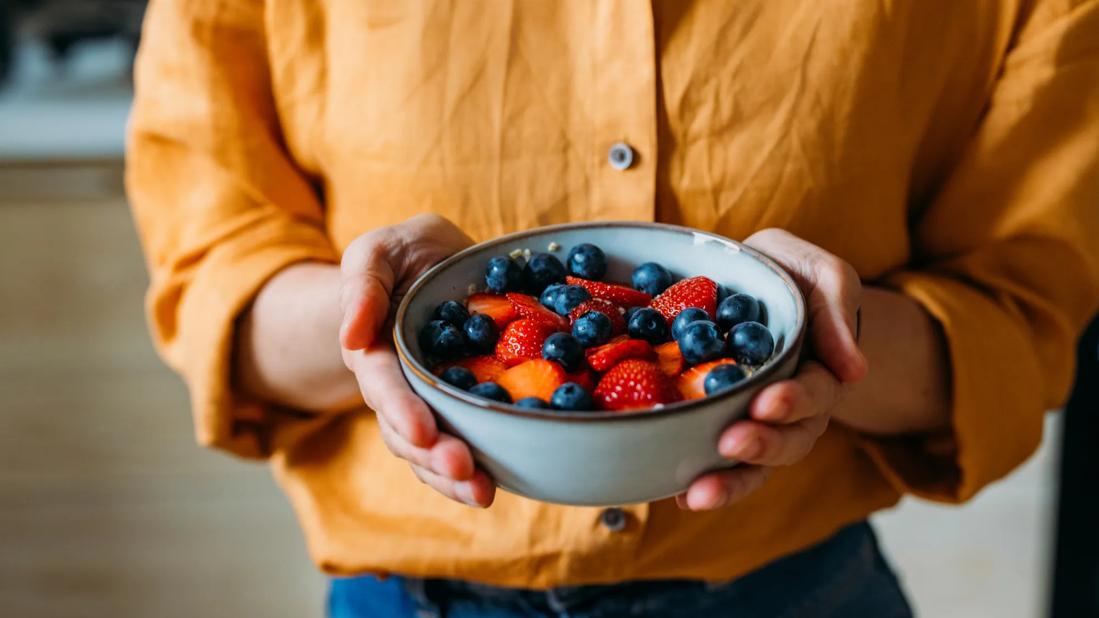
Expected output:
(368, 248)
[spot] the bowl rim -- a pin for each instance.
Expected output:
(411, 363)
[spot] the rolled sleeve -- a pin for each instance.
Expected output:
(1007, 260)
(219, 203)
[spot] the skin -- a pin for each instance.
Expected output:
(307, 308)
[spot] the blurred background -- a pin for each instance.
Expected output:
(107, 508)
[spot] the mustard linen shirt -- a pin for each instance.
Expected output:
(946, 149)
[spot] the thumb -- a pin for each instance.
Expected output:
(832, 294)
(368, 280)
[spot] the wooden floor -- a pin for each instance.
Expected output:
(107, 508)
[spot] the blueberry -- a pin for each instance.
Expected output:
(648, 324)
(700, 341)
(541, 270)
(536, 403)
(736, 309)
(442, 340)
(629, 313)
(481, 332)
(685, 317)
(459, 377)
(564, 349)
(503, 275)
(550, 294)
(569, 298)
(451, 311)
(651, 278)
(491, 390)
(592, 329)
(587, 261)
(751, 343)
(722, 377)
(571, 396)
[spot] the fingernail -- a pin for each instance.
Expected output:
(464, 491)
(701, 504)
(777, 410)
(739, 447)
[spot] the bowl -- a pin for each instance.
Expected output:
(603, 458)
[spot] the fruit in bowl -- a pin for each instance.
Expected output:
(542, 348)
(598, 363)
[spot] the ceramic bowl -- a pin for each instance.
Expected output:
(603, 458)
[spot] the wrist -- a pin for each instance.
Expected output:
(287, 349)
(907, 389)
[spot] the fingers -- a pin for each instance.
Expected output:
(449, 457)
(718, 489)
(478, 491)
(833, 293)
(383, 261)
(368, 277)
(771, 445)
(786, 419)
(385, 390)
(812, 391)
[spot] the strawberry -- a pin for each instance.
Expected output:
(533, 378)
(495, 306)
(584, 377)
(634, 384)
(484, 368)
(522, 340)
(669, 358)
(609, 354)
(691, 382)
(617, 294)
(528, 307)
(698, 292)
(607, 308)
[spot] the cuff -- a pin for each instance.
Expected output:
(997, 406)
(201, 348)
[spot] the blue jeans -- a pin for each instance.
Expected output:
(845, 575)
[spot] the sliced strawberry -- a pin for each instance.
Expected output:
(607, 308)
(634, 384)
(691, 382)
(584, 377)
(617, 294)
(669, 358)
(528, 307)
(609, 354)
(495, 306)
(484, 368)
(698, 292)
(522, 340)
(533, 378)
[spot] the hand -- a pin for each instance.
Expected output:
(377, 269)
(787, 417)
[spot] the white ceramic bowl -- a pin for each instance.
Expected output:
(603, 458)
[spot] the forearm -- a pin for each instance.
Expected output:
(908, 387)
(287, 346)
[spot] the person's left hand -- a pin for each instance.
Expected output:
(787, 417)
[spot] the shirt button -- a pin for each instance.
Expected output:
(613, 518)
(620, 156)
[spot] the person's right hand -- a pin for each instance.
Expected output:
(377, 269)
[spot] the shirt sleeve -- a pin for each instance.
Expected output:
(219, 204)
(1008, 259)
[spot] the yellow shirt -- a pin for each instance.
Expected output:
(947, 149)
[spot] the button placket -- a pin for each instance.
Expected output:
(624, 110)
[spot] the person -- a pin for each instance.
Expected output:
(931, 166)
